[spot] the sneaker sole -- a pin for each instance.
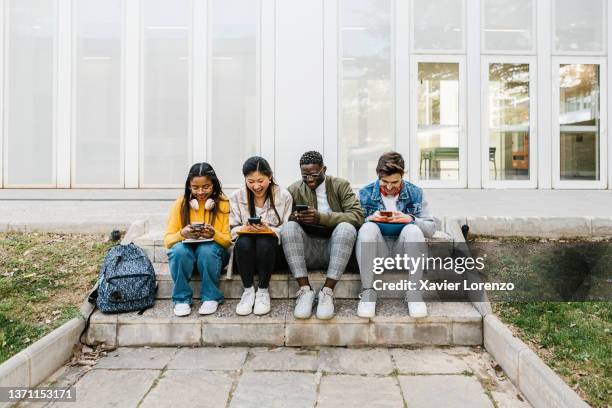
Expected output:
(261, 313)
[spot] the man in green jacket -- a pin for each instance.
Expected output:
(320, 233)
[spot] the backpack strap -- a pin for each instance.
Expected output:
(93, 296)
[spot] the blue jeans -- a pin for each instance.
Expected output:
(210, 259)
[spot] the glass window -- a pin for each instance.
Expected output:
(438, 120)
(97, 132)
(508, 25)
(165, 128)
(579, 120)
(438, 25)
(366, 87)
(579, 25)
(509, 126)
(30, 110)
(234, 100)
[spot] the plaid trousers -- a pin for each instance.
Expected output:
(304, 251)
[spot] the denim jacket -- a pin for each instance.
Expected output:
(411, 201)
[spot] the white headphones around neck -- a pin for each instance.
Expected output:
(209, 205)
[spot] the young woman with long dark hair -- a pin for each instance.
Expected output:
(257, 211)
(198, 235)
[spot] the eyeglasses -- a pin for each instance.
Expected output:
(200, 188)
(311, 176)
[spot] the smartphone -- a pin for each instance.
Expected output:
(197, 226)
(386, 213)
(301, 207)
(254, 220)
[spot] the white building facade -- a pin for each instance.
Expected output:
(474, 93)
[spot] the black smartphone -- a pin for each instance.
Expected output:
(300, 207)
(254, 220)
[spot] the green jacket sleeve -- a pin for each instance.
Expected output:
(353, 214)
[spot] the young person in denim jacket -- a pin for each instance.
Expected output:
(392, 193)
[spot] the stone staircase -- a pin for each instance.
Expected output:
(448, 323)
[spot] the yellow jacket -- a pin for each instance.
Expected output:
(221, 222)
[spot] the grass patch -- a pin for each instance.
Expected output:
(573, 338)
(43, 281)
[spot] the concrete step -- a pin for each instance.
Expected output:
(452, 323)
(153, 244)
(284, 286)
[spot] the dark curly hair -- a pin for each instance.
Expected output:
(311, 157)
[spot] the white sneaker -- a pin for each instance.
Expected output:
(303, 303)
(262, 302)
(417, 309)
(366, 309)
(245, 306)
(325, 307)
(208, 307)
(182, 309)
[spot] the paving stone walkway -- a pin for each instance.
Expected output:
(289, 377)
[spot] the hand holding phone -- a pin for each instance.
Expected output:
(254, 220)
(308, 216)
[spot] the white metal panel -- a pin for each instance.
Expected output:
(438, 26)
(299, 84)
(474, 158)
(131, 90)
(31, 94)
(508, 26)
(544, 84)
(234, 86)
(609, 43)
(572, 19)
(3, 27)
(96, 107)
(268, 81)
(199, 75)
(330, 84)
(402, 79)
(64, 75)
(165, 94)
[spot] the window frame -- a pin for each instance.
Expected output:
(532, 182)
(462, 104)
(557, 183)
